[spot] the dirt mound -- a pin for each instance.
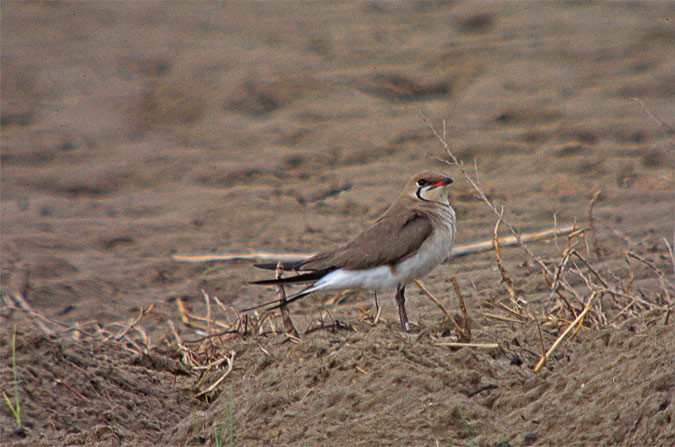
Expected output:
(92, 392)
(357, 385)
(377, 386)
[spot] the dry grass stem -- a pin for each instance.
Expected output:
(440, 305)
(511, 241)
(361, 370)
(665, 285)
(670, 253)
(253, 255)
(220, 304)
(139, 343)
(325, 310)
(441, 137)
(518, 312)
(196, 321)
(133, 321)
(293, 338)
(458, 250)
(508, 282)
(480, 192)
(562, 336)
(283, 307)
(38, 319)
(378, 311)
(230, 362)
(465, 335)
(555, 285)
(208, 312)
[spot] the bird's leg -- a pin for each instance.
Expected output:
(403, 315)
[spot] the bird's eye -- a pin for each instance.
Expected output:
(421, 182)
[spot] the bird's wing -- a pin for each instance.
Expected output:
(392, 238)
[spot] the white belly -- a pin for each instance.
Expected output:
(435, 250)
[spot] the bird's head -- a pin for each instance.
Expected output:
(428, 187)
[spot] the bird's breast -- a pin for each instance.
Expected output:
(435, 250)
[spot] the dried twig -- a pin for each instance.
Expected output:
(230, 362)
(189, 318)
(466, 333)
(293, 338)
(662, 279)
(483, 197)
(559, 340)
(457, 251)
(440, 305)
(555, 285)
(518, 312)
(208, 312)
(253, 255)
(40, 320)
(508, 282)
(283, 307)
(378, 311)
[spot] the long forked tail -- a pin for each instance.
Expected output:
(271, 305)
(304, 277)
(312, 277)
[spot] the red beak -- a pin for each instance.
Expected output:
(444, 182)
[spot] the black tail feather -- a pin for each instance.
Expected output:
(305, 277)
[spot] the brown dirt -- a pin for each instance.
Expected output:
(130, 131)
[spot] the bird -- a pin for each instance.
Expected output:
(411, 238)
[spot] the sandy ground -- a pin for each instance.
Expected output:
(131, 131)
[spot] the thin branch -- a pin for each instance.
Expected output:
(40, 320)
(440, 305)
(481, 194)
(466, 334)
(664, 282)
(229, 361)
(457, 251)
(508, 282)
(564, 334)
(283, 307)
